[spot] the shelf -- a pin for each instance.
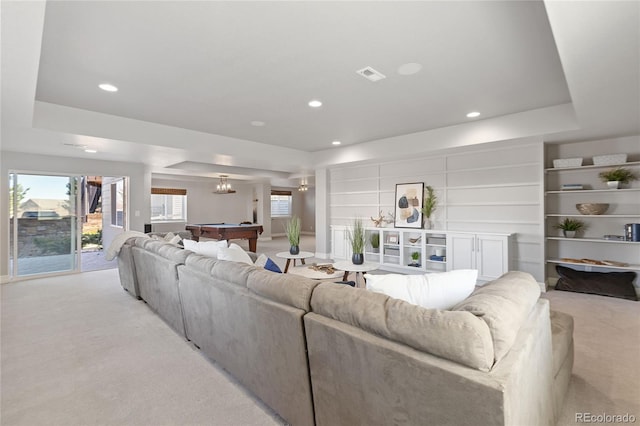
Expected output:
(622, 268)
(592, 215)
(592, 240)
(590, 191)
(435, 245)
(592, 167)
(436, 261)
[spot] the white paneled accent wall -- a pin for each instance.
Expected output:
(493, 188)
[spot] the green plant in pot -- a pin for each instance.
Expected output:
(293, 234)
(357, 240)
(375, 242)
(570, 226)
(415, 257)
(616, 177)
(429, 206)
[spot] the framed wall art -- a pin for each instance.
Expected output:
(409, 205)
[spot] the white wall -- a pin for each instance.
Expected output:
(203, 206)
(139, 194)
(308, 211)
(489, 188)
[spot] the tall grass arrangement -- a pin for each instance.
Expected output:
(293, 231)
(357, 237)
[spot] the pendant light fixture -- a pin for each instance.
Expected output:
(224, 187)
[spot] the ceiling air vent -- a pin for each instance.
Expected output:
(371, 74)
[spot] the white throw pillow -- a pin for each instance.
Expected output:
(441, 290)
(169, 236)
(205, 248)
(175, 240)
(234, 253)
(211, 248)
(261, 260)
(190, 245)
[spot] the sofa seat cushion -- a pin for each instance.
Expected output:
(457, 336)
(441, 290)
(561, 338)
(503, 304)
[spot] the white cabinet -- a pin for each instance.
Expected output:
(340, 247)
(488, 253)
(399, 250)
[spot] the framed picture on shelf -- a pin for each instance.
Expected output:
(408, 207)
(392, 239)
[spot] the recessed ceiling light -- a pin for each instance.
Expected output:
(336, 142)
(315, 103)
(108, 87)
(90, 151)
(473, 114)
(409, 69)
(258, 123)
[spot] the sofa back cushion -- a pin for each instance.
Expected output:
(232, 272)
(200, 263)
(503, 304)
(457, 336)
(291, 290)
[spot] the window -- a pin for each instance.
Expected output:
(280, 203)
(168, 205)
(117, 203)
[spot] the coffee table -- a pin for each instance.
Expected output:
(348, 266)
(307, 272)
(300, 256)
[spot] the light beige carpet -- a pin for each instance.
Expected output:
(78, 350)
(606, 373)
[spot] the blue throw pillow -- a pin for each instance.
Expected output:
(271, 266)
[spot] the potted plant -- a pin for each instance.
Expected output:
(570, 226)
(429, 206)
(375, 242)
(293, 234)
(357, 240)
(615, 177)
(415, 256)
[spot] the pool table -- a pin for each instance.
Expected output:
(227, 231)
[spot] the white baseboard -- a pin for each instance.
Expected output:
(265, 238)
(543, 287)
(5, 279)
(323, 255)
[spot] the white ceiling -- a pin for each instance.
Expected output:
(193, 75)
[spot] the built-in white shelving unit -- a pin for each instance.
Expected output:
(624, 208)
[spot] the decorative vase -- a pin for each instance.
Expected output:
(613, 184)
(294, 249)
(427, 223)
(569, 234)
(357, 258)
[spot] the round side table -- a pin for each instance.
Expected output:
(300, 256)
(347, 266)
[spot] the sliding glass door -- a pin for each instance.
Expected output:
(44, 224)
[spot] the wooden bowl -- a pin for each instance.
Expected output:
(592, 208)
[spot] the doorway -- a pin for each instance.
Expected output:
(61, 223)
(43, 224)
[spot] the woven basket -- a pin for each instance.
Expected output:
(592, 208)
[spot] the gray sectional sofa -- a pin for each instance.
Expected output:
(328, 354)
